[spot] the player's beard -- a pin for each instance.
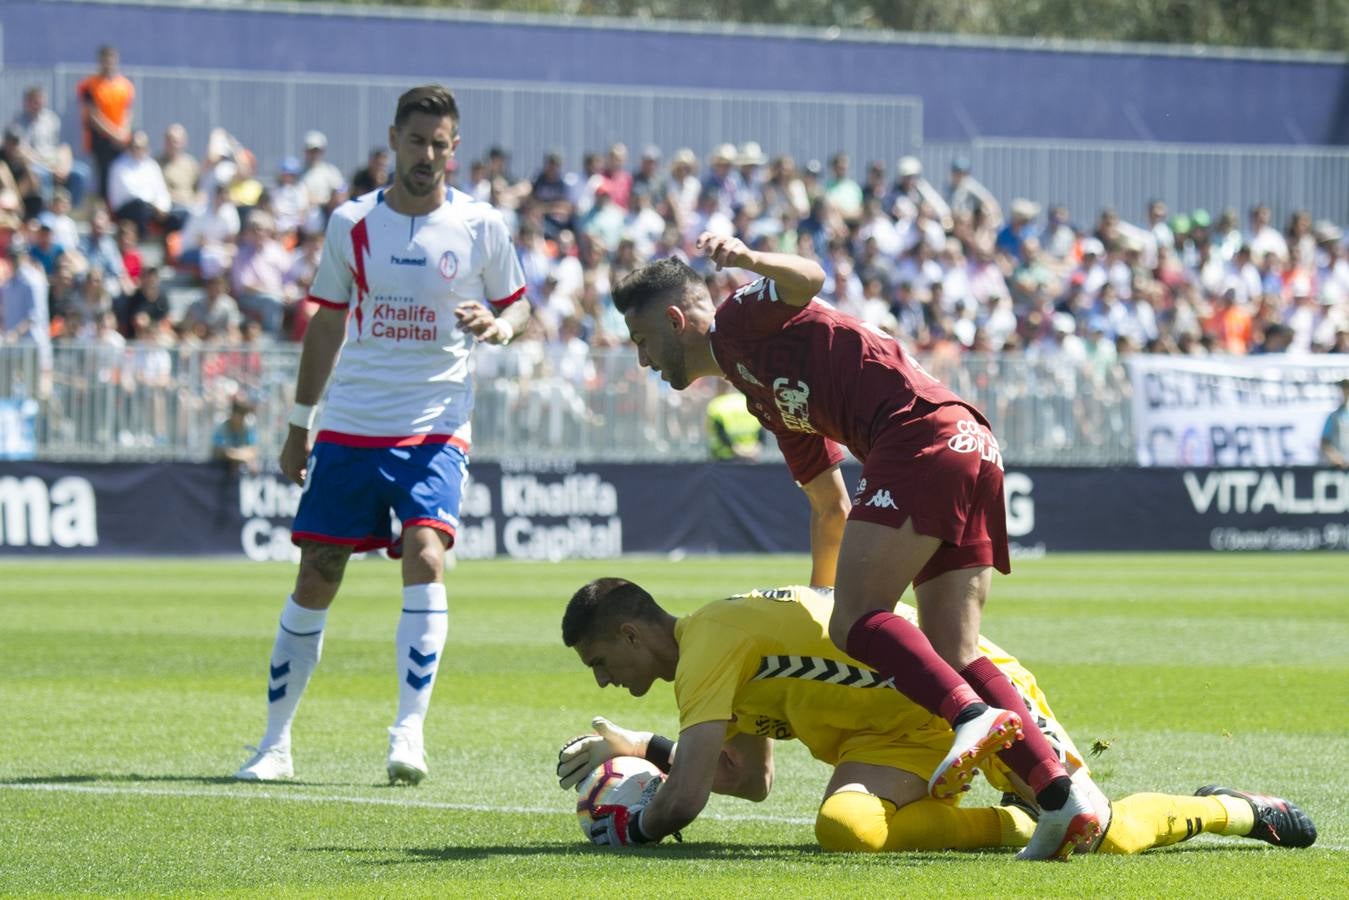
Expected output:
(414, 189)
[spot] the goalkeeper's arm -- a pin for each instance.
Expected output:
(684, 794)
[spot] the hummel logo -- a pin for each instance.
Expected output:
(882, 499)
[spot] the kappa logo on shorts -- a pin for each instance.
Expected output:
(971, 437)
(882, 499)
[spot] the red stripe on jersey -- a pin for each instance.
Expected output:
(330, 304)
(507, 301)
(377, 440)
(360, 248)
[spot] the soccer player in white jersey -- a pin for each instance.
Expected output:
(411, 276)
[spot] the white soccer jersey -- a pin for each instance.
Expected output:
(405, 375)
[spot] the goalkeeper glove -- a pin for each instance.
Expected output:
(582, 754)
(621, 826)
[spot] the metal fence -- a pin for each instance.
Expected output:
(1086, 176)
(145, 402)
(269, 112)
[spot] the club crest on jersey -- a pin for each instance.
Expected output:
(971, 437)
(449, 265)
(793, 403)
(747, 375)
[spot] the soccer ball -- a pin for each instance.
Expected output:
(618, 781)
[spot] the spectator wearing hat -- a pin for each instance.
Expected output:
(373, 175)
(1332, 264)
(290, 200)
(750, 161)
(722, 181)
(320, 177)
(38, 128)
(137, 191)
(911, 190)
(965, 193)
(1021, 227)
(1302, 314)
(1335, 433)
(685, 186)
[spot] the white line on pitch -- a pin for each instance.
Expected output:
(247, 794)
(390, 801)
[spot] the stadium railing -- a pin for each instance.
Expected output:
(269, 112)
(143, 403)
(1087, 176)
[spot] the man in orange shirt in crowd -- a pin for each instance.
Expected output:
(1229, 324)
(105, 101)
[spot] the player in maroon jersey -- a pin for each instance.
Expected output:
(928, 509)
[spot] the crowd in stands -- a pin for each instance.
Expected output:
(113, 234)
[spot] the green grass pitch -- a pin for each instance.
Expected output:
(128, 689)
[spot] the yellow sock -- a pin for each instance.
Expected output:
(1144, 821)
(864, 823)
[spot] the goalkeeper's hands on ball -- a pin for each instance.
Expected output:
(582, 754)
(621, 826)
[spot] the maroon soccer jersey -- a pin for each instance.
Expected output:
(815, 377)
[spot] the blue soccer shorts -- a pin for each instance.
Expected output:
(350, 492)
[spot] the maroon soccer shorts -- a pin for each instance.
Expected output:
(942, 469)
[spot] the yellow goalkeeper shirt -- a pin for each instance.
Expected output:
(763, 662)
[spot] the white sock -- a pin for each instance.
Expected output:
(419, 645)
(299, 644)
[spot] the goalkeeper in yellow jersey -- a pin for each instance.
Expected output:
(760, 666)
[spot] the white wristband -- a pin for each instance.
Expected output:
(302, 416)
(506, 330)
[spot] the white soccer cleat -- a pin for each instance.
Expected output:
(272, 764)
(407, 757)
(1059, 833)
(992, 730)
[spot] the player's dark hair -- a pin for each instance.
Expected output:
(598, 608)
(669, 277)
(432, 99)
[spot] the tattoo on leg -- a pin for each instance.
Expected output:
(328, 561)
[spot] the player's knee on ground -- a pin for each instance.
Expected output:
(853, 822)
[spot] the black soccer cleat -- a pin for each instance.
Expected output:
(1278, 822)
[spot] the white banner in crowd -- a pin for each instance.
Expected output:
(1233, 411)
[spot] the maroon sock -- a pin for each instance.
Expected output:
(895, 647)
(1031, 758)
